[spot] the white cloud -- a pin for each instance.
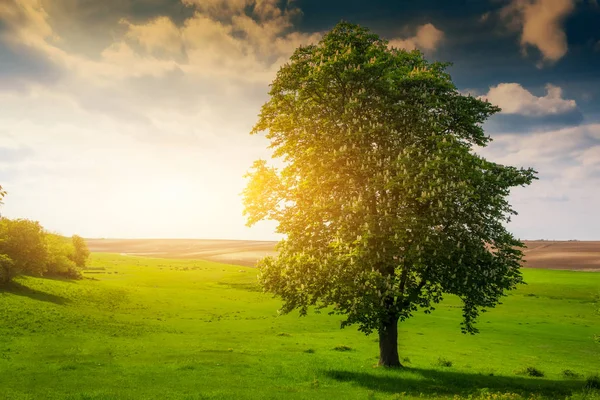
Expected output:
(427, 38)
(160, 34)
(590, 157)
(560, 205)
(515, 99)
(540, 23)
(150, 136)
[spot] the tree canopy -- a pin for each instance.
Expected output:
(23, 242)
(384, 205)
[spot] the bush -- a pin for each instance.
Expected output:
(23, 242)
(7, 269)
(60, 256)
(342, 348)
(567, 373)
(26, 248)
(81, 252)
(593, 382)
(442, 362)
(530, 371)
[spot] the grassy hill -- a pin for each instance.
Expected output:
(142, 328)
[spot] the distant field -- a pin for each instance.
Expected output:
(583, 256)
(239, 252)
(151, 328)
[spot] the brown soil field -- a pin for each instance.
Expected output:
(573, 255)
(239, 252)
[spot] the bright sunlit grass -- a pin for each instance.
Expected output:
(164, 329)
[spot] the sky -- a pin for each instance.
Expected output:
(131, 118)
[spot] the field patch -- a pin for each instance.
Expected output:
(567, 255)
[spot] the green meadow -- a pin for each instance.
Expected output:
(143, 328)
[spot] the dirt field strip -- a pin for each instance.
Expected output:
(571, 255)
(239, 252)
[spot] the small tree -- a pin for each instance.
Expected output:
(24, 243)
(60, 256)
(7, 269)
(81, 252)
(383, 204)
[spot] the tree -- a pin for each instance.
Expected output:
(23, 242)
(81, 252)
(7, 269)
(60, 256)
(2, 194)
(384, 206)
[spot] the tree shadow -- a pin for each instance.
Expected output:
(419, 381)
(60, 278)
(21, 290)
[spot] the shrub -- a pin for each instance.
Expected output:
(442, 362)
(530, 371)
(7, 269)
(342, 348)
(22, 241)
(81, 252)
(60, 254)
(567, 373)
(593, 382)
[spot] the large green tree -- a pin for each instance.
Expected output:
(384, 205)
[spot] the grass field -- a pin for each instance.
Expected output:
(143, 328)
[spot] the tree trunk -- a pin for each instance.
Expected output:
(388, 343)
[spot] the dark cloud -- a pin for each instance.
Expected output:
(515, 123)
(20, 65)
(89, 26)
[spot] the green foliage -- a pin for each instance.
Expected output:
(530, 371)
(23, 242)
(60, 256)
(567, 373)
(342, 348)
(2, 194)
(442, 362)
(593, 382)
(81, 252)
(383, 203)
(7, 269)
(27, 249)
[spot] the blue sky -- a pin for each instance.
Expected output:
(130, 118)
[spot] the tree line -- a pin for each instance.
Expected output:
(26, 248)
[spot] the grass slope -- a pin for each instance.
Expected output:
(181, 329)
